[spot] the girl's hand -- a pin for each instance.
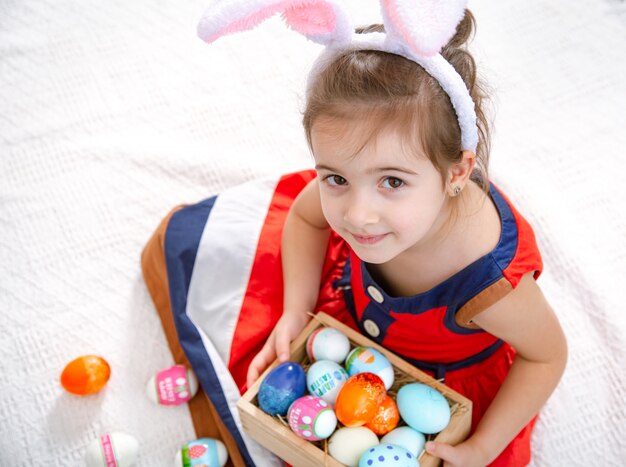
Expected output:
(287, 328)
(461, 455)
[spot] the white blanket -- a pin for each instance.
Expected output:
(113, 112)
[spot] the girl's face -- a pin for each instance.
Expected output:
(382, 201)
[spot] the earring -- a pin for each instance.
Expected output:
(457, 190)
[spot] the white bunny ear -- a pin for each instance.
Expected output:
(319, 20)
(424, 26)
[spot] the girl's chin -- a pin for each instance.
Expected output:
(369, 256)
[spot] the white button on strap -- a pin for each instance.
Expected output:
(371, 327)
(375, 294)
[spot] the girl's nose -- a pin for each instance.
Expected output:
(361, 211)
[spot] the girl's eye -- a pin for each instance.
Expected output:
(336, 180)
(392, 182)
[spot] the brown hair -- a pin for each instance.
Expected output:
(391, 91)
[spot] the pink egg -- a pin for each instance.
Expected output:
(311, 418)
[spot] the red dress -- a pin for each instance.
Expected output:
(432, 330)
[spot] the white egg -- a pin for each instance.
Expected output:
(348, 444)
(406, 437)
(327, 344)
(325, 379)
(116, 448)
(204, 451)
(172, 386)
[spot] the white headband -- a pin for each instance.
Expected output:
(416, 30)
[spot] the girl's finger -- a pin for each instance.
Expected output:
(282, 346)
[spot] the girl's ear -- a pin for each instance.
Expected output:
(459, 173)
(319, 20)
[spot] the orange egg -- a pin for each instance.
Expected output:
(386, 418)
(358, 399)
(85, 375)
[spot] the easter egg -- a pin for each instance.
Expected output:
(358, 399)
(348, 444)
(406, 437)
(283, 385)
(203, 452)
(172, 386)
(386, 417)
(327, 344)
(311, 418)
(118, 449)
(325, 379)
(423, 408)
(85, 375)
(367, 359)
(385, 455)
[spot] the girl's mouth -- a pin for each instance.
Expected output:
(368, 239)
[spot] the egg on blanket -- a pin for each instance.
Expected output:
(85, 375)
(311, 418)
(423, 408)
(327, 344)
(359, 398)
(325, 379)
(203, 452)
(118, 449)
(368, 359)
(348, 444)
(172, 386)
(388, 455)
(281, 387)
(406, 437)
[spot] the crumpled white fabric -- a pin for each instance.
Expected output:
(113, 112)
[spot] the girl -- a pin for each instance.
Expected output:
(401, 236)
(445, 267)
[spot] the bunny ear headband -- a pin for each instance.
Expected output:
(416, 30)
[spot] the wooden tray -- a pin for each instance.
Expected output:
(274, 434)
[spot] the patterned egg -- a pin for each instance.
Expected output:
(325, 379)
(172, 386)
(388, 455)
(203, 452)
(406, 437)
(367, 359)
(283, 385)
(85, 375)
(311, 418)
(327, 344)
(347, 445)
(423, 408)
(358, 399)
(118, 449)
(386, 418)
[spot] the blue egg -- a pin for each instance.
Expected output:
(423, 408)
(406, 437)
(283, 385)
(388, 455)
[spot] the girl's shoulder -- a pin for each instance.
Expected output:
(514, 255)
(490, 226)
(517, 251)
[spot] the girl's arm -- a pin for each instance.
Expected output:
(303, 248)
(525, 320)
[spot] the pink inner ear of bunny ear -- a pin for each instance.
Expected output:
(424, 25)
(243, 24)
(311, 18)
